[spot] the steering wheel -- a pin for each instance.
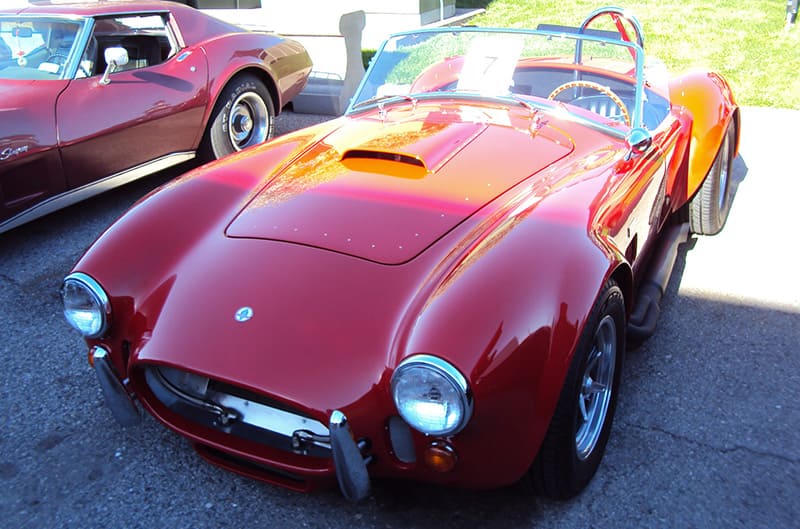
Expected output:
(57, 58)
(626, 116)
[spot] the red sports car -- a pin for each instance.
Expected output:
(439, 285)
(94, 94)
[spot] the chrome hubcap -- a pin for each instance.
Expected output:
(596, 388)
(248, 122)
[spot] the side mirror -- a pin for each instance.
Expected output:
(639, 141)
(115, 57)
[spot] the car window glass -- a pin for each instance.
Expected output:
(146, 39)
(37, 48)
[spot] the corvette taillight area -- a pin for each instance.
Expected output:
(237, 412)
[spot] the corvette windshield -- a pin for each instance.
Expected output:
(591, 76)
(37, 48)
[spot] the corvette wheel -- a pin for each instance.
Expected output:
(243, 116)
(709, 209)
(579, 430)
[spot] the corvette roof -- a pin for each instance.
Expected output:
(90, 7)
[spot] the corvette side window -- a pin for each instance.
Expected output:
(147, 40)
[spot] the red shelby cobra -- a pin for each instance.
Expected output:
(94, 94)
(438, 285)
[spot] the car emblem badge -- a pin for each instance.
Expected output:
(9, 152)
(244, 314)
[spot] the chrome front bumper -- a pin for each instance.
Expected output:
(252, 417)
(249, 419)
(117, 397)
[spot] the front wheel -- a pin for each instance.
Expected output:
(709, 209)
(576, 439)
(243, 116)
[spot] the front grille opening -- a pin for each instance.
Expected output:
(237, 412)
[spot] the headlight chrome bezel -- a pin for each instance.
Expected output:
(98, 297)
(447, 373)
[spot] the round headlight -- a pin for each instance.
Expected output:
(86, 305)
(431, 395)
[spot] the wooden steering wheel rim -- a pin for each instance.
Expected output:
(600, 88)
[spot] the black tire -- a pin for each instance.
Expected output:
(709, 209)
(243, 116)
(574, 445)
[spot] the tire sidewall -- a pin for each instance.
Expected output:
(218, 141)
(710, 207)
(611, 304)
(557, 471)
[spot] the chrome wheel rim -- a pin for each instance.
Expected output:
(596, 389)
(248, 121)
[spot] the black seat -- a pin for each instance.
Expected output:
(143, 50)
(655, 108)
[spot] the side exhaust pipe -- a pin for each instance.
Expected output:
(643, 320)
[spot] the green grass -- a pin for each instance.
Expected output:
(744, 40)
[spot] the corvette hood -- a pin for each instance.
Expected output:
(386, 189)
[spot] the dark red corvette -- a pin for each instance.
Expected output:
(94, 94)
(438, 285)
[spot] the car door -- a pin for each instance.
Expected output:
(30, 169)
(150, 109)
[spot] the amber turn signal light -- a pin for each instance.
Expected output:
(440, 457)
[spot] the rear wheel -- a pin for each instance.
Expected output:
(579, 430)
(709, 209)
(243, 116)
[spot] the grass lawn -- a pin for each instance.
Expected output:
(744, 40)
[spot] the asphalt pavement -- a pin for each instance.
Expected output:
(705, 434)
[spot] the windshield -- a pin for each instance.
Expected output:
(37, 48)
(594, 78)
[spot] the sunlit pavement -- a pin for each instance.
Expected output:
(756, 257)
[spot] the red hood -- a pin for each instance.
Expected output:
(321, 329)
(384, 190)
(325, 323)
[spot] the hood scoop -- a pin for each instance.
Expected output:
(397, 164)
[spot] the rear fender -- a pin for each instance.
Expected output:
(709, 99)
(279, 66)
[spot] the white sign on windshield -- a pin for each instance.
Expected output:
(489, 65)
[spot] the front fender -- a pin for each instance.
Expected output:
(170, 222)
(709, 99)
(508, 314)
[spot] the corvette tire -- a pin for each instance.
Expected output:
(576, 438)
(243, 116)
(709, 209)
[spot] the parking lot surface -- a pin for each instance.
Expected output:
(705, 433)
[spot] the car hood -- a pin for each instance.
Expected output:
(321, 254)
(387, 187)
(320, 326)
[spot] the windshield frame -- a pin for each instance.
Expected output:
(359, 103)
